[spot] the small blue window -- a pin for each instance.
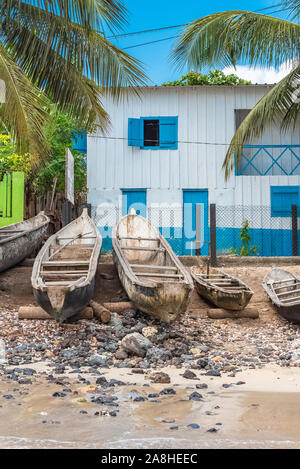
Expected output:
(80, 142)
(153, 133)
(282, 199)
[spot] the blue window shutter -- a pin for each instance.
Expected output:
(134, 139)
(282, 198)
(168, 132)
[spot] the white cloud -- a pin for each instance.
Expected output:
(259, 74)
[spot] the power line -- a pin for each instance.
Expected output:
(151, 141)
(173, 37)
(181, 25)
(151, 42)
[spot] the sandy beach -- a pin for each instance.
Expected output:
(263, 412)
(230, 383)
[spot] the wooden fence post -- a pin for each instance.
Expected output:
(66, 213)
(294, 230)
(213, 238)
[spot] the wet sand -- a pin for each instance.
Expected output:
(262, 413)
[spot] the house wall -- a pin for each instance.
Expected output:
(206, 124)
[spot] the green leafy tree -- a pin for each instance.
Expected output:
(57, 50)
(60, 133)
(215, 77)
(225, 38)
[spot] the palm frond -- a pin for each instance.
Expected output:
(224, 38)
(281, 105)
(24, 112)
(294, 8)
(33, 34)
(89, 13)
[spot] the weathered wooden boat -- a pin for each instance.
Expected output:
(283, 289)
(150, 272)
(63, 274)
(20, 240)
(220, 288)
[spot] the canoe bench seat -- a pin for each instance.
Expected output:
(64, 263)
(155, 267)
(142, 248)
(151, 274)
(64, 273)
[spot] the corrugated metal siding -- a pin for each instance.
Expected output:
(205, 114)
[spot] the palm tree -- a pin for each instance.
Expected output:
(57, 50)
(229, 37)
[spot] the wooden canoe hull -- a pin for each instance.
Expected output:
(289, 312)
(162, 301)
(16, 249)
(62, 292)
(73, 301)
(222, 299)
(234, 296)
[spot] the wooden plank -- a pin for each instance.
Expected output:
(12, 231)
(291, 300)
(64, 274)
(59, 283)
(61, 272)
(138, 238)
(288, 292)
(159, 267)
(63, 263)
(284, 281)
(141, 248)
(75, 239)
(287, 286)
(149, 274)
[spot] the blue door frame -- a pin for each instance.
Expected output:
(134, 198)
(192, 198)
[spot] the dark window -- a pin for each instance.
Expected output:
(151, 133)
(240, 115)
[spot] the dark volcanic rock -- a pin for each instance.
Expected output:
(195, 396)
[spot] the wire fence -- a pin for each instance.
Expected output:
(239, 229)
(262, 235)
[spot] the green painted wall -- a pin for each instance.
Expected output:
(17, 207)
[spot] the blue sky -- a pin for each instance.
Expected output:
(159, 13)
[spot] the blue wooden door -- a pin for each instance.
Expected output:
(134, 198)
(192, 199)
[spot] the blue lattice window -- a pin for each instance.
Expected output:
(269, 160)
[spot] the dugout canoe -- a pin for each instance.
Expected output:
(283, 290)
(150, 272)
(63, 274)
(220, 288)
(20, 240)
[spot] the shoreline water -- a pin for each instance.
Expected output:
(263, 412)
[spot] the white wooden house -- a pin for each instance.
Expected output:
(163, 156)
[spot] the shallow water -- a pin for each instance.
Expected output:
(249, 419)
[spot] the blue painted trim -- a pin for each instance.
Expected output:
(136, 132)
(280, 206)
(194, 190)
(142, 205)
(271, 242)
(274, 161)
(133, 190)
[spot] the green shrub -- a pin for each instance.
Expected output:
(246, 248)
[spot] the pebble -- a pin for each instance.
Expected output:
(195, 396)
